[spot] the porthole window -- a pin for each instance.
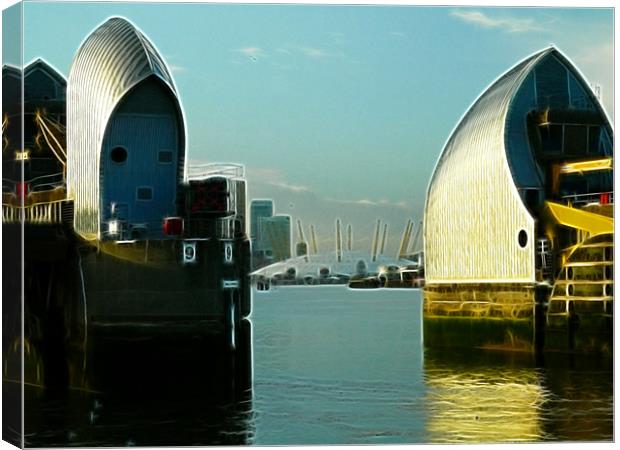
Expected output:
(118, 155)
(522, 238)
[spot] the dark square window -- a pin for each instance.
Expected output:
(593, 139)
(575, 139)
(164, 156)
(144, 193)
(551, 138)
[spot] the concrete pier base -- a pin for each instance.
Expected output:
(511, 317)
(580, 333)
(479, 332)
(480, 316)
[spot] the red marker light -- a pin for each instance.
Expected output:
(22, 189)
(173, 226)
(604, 198)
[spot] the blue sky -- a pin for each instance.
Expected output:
(334, 110)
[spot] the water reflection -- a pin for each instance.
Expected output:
(498, 397)
(157, 391)
(331, 366)
(580, 407)
(482, 402)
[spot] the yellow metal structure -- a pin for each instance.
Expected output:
(588, 166)
(582, 220)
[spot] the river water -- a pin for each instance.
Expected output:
(316, 365)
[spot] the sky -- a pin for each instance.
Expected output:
(335, 111)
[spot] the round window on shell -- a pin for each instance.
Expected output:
(522, 238)
(118, 155)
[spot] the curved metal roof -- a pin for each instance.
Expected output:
(112, 60)
(471, 188)
(484, 121)
(42, 64)
(474, 211)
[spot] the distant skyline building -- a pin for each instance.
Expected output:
(276, 237)
(258, 209)
(270, 234)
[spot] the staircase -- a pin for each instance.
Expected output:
(585, 283)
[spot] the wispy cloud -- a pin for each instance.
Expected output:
(175, 69)
(310, 52)
(252, 52)
(315, 53)
(372, 203)
(174, 65)
(506, 23)
(398, 34)
(275, 178)
(290, 187)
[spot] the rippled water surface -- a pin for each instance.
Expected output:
(319, 365)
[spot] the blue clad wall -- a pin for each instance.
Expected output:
(144, 125)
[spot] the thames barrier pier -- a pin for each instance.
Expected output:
(165, 242)
(121, 234)
(518, 221)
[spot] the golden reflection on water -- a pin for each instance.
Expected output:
(486, 405)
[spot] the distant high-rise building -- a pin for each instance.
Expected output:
(275, 239)
(259, 209)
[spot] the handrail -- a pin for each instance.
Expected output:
(588, 194)
(39, 203)
(583, 198)
(31, 180)
(55, 180)
(57, 174)
(38, 213)
(213, 169)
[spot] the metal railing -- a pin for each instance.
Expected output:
(11, 214)
(591, 197)
(196, 172)
(39, 213)
(37, 184)
(51, 181)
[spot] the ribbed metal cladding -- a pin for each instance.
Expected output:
(473, 213)
(114, 58)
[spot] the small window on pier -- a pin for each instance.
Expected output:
(144, 193)
(164, 157)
